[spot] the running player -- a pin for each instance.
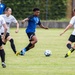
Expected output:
(72, 36)
(2, 52)
(9, 19)
(33, 21)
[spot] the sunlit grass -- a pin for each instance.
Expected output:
(34, 62)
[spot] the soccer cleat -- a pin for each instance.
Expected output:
(22, 52)
(3, 65)
(17, 53)
(68, 54)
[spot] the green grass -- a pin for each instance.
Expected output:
(34, 62)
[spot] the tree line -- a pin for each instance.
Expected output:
(50, 9)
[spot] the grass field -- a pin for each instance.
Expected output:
(34, 62)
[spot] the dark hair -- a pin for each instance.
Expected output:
(7, 9)
(36, 9)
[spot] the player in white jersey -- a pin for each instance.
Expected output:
(9, 19)
(2, 52)
(72, 36)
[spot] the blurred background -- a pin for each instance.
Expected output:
(50, 9)
(54, 13)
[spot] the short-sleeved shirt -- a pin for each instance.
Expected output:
(8, 21)
(2, 22)
(2, 8)
(32, 24)
(72, 21)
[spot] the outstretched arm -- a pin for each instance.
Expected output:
(26, 19)
(68, 27)
(17, 29)
(42, 26)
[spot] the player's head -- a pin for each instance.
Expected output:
(36, 11)
(8, 11)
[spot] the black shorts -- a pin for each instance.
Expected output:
(30, 35)
(0, 41)
(7, 34)
(72, 38)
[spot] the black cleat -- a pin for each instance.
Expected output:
(4, 65)
(66, 56)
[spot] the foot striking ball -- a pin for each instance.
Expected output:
(47, 53)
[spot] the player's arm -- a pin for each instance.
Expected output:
(17, 29)
(42, 26)
(26, 19)
(5, 30)
(68, 27)
(17, 24)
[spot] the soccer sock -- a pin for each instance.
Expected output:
(69, 46)
(72, 49)
(28, 47)
(13, 45)
(2, 54)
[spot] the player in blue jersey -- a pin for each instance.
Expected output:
(33, 21)
(2, 7)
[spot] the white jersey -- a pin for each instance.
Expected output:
(8, 21)
(2, 22)
(72, 21)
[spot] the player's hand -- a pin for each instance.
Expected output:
(22, 21)
(61, 34)
(46, 28)
(16, 31)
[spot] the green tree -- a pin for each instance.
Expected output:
(58, 9)
(54, 9)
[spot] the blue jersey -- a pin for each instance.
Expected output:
(2, 8)
(32, 24)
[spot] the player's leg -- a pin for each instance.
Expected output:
(4, 40)
(69, 45)
(10, 39)
(2, 54)
(73, 48)
(33, 41)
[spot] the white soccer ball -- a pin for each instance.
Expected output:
(48, 53)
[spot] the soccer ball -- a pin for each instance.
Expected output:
(48, 53)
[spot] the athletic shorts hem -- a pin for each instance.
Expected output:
(30, 35)
(72, 38)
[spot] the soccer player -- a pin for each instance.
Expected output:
(2, 7)
(2, 52)
(72, 36)
(9, 19)
(33, 21)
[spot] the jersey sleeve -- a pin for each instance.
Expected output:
(72, 21)
(30, 17)
(14, 20)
